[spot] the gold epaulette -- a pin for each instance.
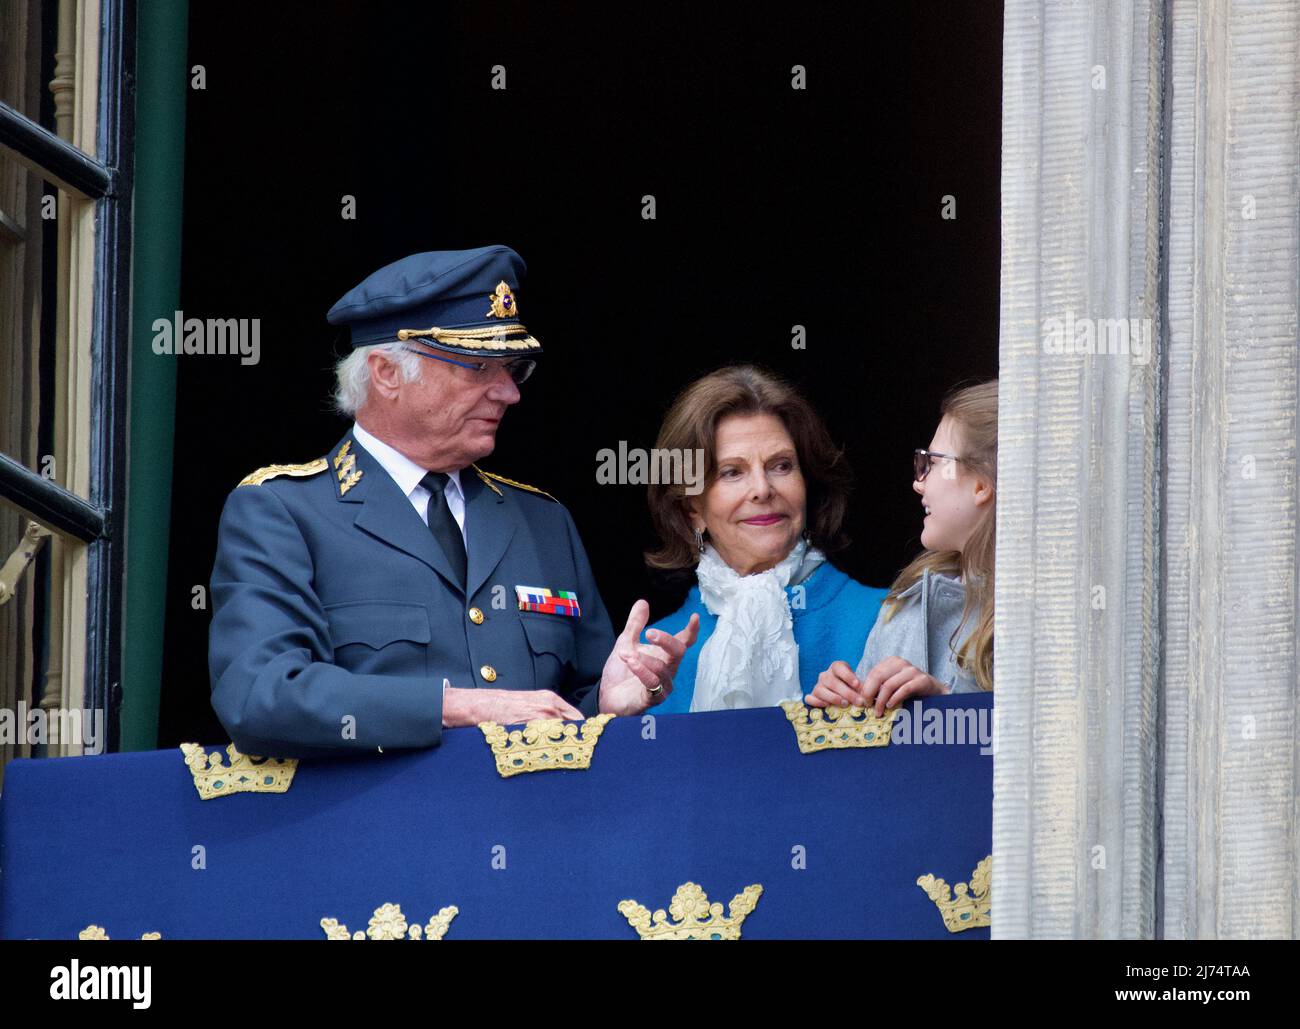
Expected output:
(488, 477)
(272, 470)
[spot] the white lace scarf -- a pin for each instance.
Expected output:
(751, 659)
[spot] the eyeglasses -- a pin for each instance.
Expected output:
(518, 368)
(923, 459)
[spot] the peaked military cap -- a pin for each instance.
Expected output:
(461, 301)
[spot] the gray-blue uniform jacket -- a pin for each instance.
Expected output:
(336, 617)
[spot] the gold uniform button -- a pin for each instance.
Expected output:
(489, 673)
(476, 616)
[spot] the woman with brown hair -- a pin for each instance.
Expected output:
(773, 611)
(935, 630)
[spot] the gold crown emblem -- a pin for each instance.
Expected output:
(969, 908)
(543, 744)
(388, 923)
(244, 774)
(694, 917)
(503, 303)
(345, 468)
(96, 932)
(831, 728)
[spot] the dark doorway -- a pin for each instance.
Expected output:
(775, 207)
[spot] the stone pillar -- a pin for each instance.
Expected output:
(1074, 849)
(1230, 682)
(1147, 577)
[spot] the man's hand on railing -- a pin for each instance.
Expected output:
(461, 707)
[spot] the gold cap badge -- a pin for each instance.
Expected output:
(503, 303)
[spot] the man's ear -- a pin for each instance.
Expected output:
(983, 491)
(385, 376)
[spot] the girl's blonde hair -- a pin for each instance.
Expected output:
(974, 412)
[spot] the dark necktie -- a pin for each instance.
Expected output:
(442, 523)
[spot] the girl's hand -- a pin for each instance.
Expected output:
(893, 681)
(837, 687)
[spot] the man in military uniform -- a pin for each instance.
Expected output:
(370, 598)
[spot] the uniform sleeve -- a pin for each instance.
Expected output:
(274, 686)
(595, 636)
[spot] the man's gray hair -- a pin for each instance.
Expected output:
(352, 375)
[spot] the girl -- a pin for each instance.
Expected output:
(934, 633)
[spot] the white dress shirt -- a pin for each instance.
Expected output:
(407, 474)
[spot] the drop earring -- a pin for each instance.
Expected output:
(699, 541)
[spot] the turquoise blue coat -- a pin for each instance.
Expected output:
(832, 625)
